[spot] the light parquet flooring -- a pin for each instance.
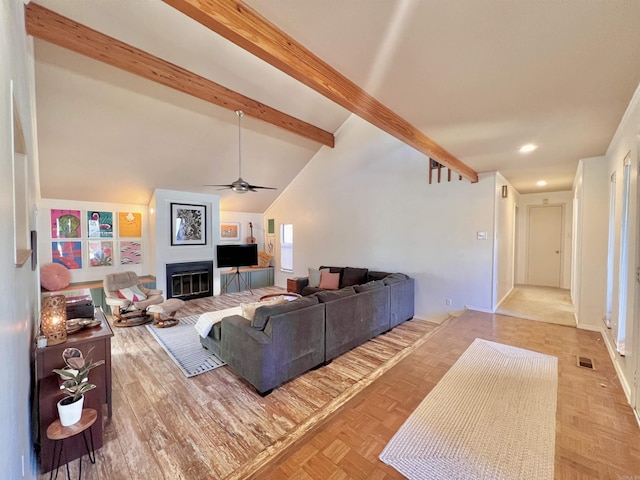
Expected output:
(597, 436)
(214, 425)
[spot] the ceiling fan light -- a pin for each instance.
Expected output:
(530, 147)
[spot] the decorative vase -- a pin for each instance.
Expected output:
(70, 411)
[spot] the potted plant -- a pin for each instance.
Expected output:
(75, 382)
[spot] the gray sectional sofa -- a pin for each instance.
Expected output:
(286, 340)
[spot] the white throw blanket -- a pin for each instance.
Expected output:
(206, 320)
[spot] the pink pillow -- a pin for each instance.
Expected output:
(329, 281)
(54, 276)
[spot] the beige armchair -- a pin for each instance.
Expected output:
(129, 299)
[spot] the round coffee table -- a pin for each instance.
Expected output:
(286, 295)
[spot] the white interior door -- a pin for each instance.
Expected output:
(544, 248)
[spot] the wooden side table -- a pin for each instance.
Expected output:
(59, 434)
(50, 357)
(291, 285)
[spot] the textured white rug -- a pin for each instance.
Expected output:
(182, 344)
(492, 416)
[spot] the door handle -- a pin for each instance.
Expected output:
(557, 251)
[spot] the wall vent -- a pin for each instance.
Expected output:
(585, 362)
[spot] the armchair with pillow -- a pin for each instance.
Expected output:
(129, 298)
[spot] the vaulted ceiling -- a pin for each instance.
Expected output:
(479, 77)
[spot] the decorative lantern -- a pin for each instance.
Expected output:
(54, 319)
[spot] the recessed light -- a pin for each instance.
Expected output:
(541, 183)
(529, 147)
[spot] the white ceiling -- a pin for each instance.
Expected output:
(480, 77)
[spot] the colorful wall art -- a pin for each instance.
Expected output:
(130, 253)
(129, 224)
(68, 254)
(65, 223)
(100, 224)
(101, 253)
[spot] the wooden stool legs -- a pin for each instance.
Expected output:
(91, 453)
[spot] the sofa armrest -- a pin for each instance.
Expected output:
(298, 283)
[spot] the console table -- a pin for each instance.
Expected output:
(255, 277)
(49, 393)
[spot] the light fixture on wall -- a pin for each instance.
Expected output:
(505, 191)
(240, 186)
(54, 319)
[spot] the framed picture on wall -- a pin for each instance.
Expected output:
(229, 231)
(188, 224)
(271, 227)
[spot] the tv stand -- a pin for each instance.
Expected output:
(255, 277)
(238, 276)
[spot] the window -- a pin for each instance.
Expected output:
(286, 247)
(611, 250)
(624, 260)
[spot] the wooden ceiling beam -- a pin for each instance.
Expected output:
(246, 28)
(47, 25)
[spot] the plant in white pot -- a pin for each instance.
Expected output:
(75, 382)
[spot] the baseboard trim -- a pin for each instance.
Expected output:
(591, 328)
(614, 355)
(479, 309)
(503, 299)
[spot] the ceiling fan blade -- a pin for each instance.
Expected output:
(254, 187)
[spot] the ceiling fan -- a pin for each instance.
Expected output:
(241, 186)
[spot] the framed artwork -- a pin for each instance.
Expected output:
(271, 227)
(188, 224)
(65, 223)
(68, 254)
(130, 253)
(100, 253)
(129, 224)
(99, 224)
(229, 231)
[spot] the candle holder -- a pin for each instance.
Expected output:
(54, 319)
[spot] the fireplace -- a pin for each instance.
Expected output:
(190, 280)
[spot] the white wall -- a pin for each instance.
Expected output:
(87, 273)
(243, 218)
(626, 140)
(565, 199)
(18, 286)
(166, 253)
(591, 191)
(505, 236)
(368, 203)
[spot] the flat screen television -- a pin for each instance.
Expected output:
(237, 255)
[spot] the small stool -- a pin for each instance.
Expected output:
(58, 434)
(169, 308)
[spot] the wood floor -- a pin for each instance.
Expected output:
(214, 426)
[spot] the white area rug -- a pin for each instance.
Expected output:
(182, 344)
(492, 416)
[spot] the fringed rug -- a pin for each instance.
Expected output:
(492, 416)
(182, 344)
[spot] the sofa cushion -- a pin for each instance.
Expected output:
(327, 296)
(369, 286)
(310, 290)
(329, 281)
(373, 275)
(395, 278)
(353, 276)
(263, 314)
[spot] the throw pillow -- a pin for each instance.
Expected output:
(54, 276)
(314, 277)
(329, 281)
(354, 276)
(133, 294)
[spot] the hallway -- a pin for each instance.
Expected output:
(544, 304)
